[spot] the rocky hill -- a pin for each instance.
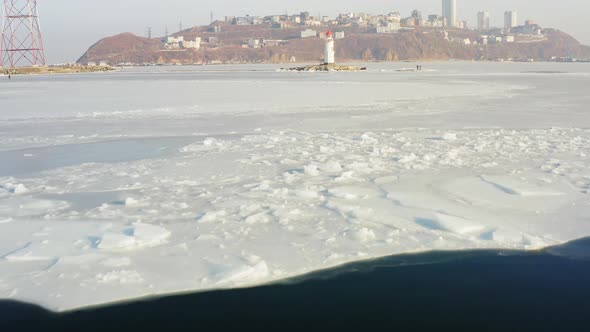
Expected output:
(125, 47)
(359, 44)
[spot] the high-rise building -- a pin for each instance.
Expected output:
(483, 20)
(449, 12)
(510, 19)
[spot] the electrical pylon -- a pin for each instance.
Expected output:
(21, 42)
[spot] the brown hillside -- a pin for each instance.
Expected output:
(419, 44)
(123, 47)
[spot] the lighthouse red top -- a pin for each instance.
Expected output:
(329, 33)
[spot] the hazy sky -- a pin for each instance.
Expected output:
(71, 26)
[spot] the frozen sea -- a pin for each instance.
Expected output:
(152, 181)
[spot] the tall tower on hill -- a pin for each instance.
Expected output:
(21, 42)
(510, 20)
(449, 11)
(483, 20)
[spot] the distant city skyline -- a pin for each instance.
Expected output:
(71, 27)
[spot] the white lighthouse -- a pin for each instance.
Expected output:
(330, 56)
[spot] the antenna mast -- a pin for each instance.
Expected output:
(21, 42)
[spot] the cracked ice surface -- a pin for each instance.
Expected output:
(194, 191)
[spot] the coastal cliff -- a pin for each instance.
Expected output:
(358, 45)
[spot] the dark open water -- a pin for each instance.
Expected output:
(450, 291)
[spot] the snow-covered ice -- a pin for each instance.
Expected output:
(155, 181)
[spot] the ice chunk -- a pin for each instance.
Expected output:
(258, 218)
(362, 235)
(119, 277)
(450, 136)
(149, 235)
(238, 273)
(212, 216)
(20, 189)
(332, 167)
(116, 241)
(407, 159)
(27, 206)
(116, 262)
(451, 224)
(354, 192)
(207, 145)
(386, 179)
(311, 170)
(305, 193)
(130, 201)
(140, 235)
(514, 187)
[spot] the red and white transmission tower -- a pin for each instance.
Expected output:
(22, 41)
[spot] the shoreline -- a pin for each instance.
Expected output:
(48, 70)
(344, 62)
(80, 69)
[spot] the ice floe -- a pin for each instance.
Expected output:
(111, 205)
